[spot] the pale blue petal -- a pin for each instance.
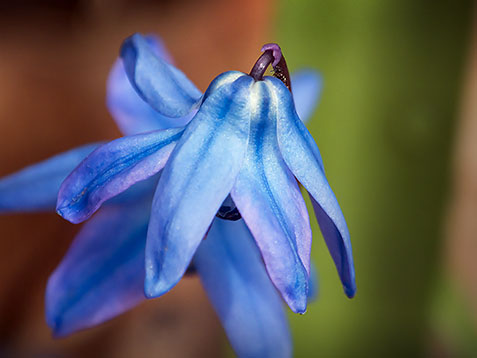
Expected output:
(138, 191)
(306, 85)
(160, 84)
(194, 183)
(111, 169)
(269, 200)
(250, 309)
(35, 188)
(302, 156)
(132, 114)
(158, 47)
(102, 275)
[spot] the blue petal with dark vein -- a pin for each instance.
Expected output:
(194, 183)
(160, 84)
(35, 188)
(111, 169)
(250, 309)
(302, 156)
(132, 114)
(102, 275)
(269, 200)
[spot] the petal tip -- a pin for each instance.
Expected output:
(66, 213)
(56, 325)
(298, 304)
(154, 288)
(350, 291)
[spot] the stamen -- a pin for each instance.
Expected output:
(228, 210)
(227, 213)
(272, 55)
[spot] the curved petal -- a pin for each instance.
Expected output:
(35, 188)
(132, 114)
(111, 169)
(302, 156)
(307, 85)
(248, 305)
(269, 200)
(158, 47)
(102, 275)
(160, 84)
(194, 183)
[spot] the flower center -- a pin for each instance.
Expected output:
(272, 54)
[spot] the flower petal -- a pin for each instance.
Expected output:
(160, 84)
(35, 188)
(102, 275)
(248, 305)
(138, 191)
(302, 156)
(307, 85)
(196, 180)
(269, 200)
(132, 114)
(111, 169)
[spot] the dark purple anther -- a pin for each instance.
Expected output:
(228, 210)
(272, 55)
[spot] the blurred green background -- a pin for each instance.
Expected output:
(393, 74)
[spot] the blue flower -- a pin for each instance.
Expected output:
(103, 273)
(246, 141)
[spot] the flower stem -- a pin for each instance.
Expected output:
(272, 54)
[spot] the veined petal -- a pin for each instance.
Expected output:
(269, 200)
(194, 183)
(35, 188)
(302, 156)
(132, 114)
(138, 191)
(111, 169)
(307, 85)
(248, 305)
(102, 275)
(160, 84)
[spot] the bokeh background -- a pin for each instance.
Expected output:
(396, 125)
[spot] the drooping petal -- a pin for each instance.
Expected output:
(196, 180)
(307, 85)
(102, 275)
(335, 232)
(132, 114)
(35, 188)
(111, 169)
(248, 305)
(160, 84)
(302, 156)
(269, 200)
